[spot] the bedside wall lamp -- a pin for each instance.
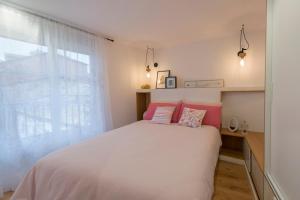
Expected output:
(155, 64)
(242, 54)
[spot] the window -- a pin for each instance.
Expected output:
(51, 90)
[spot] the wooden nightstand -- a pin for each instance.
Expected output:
(143, 99)
(225, 131)
(232, 143)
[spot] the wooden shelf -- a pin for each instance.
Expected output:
(224, 89)
(234, 141)
(243, 89)
(256, 143)
(143, 90)
(225, 131)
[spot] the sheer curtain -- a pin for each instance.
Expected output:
(52, 90)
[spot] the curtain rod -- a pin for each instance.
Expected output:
(50, 18)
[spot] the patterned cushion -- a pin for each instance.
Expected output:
(192, 117)
(212, 116)
(163, 115)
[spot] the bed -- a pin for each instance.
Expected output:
(140, 161)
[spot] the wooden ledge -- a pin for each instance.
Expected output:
(256, 143)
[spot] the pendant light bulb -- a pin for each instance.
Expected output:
(242, 55)
(148, 70)
(242, 62)
(243, 46)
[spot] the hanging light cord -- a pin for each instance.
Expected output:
(146, 61)
(152, 55)
(243, 35)
(147, 52)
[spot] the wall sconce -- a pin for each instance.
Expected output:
(155, 64)
(242, 54)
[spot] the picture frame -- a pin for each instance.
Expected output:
(161, 78)
(171, 82)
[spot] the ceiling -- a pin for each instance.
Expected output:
(156, 22)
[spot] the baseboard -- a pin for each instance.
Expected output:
(279, 194)
(231, 159)
(251, 183)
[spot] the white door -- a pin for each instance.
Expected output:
(283, 98)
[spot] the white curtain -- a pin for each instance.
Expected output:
(52, 90)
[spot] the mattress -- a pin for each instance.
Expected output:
(140, 161)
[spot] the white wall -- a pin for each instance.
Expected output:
(245, 106)
(282, 150)
(217, 59)
(123, 62)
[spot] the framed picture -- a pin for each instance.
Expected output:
(171, 82)
(161, 78)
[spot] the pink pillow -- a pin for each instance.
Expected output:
(152, 107)
(212, 116)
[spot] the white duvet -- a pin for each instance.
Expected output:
(141, 161)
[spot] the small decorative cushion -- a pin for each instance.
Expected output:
(152, 107)
(191, 117)
(163, 115)
(212, 116)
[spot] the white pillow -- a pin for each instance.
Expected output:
(191, 117)
(163, 115)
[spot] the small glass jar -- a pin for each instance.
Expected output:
(244, 127)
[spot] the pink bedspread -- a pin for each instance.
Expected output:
(141, 161)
